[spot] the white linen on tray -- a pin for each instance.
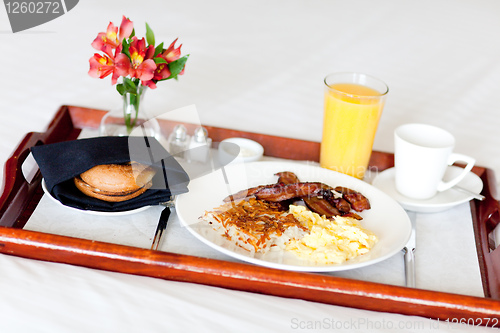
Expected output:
(257, 66)
(447, 259)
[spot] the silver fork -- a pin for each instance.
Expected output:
(409, 253)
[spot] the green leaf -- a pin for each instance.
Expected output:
(150, 36)
(132, 34)
(120, 88)
(159, 49)
(177, 66)
(159, 60)
(129, 86)
(125, 48)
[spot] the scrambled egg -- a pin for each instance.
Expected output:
(330, 241)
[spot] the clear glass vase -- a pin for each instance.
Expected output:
(131, 119)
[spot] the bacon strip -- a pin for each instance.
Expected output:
(243, 194)
(317, 204)
(280, 192)
(287, 177)
(358, 201)
(321, 206)
(319, 197)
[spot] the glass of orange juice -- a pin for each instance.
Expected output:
(353, 106)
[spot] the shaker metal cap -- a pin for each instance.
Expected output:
(180, 132)
(200, 134)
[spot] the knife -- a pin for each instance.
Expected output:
(409, 253)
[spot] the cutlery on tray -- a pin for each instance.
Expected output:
(477, 196)
(409, 253)
(162, 224)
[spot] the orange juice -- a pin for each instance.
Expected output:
(351, 116)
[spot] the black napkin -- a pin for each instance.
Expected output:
(60, 162)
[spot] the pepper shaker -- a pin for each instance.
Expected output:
(199, 146)
(178, 141)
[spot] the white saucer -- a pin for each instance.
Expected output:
(441, 201)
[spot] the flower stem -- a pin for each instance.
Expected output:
(131, 104)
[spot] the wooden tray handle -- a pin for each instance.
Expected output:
(17, 193)
(486, 217)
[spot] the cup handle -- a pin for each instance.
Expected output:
(443, 186)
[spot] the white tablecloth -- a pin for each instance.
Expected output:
(257, 66)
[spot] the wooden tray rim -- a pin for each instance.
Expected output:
(239, 276)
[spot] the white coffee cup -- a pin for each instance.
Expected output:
(422, 154)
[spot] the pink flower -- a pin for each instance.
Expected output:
(162, 72)
(111, 39)
(102, 66)
(138, 66)
(172, 53)
(128, 56)
(126, 28)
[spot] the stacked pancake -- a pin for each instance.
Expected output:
(115, 182)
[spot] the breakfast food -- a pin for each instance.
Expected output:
(319, 197)
(312, 220)
(255, 225)
(115, 182)
(329, 204)
(330, 241)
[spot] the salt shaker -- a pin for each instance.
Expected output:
(199, 146)
(178, 141)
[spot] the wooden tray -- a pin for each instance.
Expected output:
(19, 199)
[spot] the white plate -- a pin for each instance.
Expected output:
(386, 218)
(441, 201)
(92, 212)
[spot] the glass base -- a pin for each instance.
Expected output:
(113, 124)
